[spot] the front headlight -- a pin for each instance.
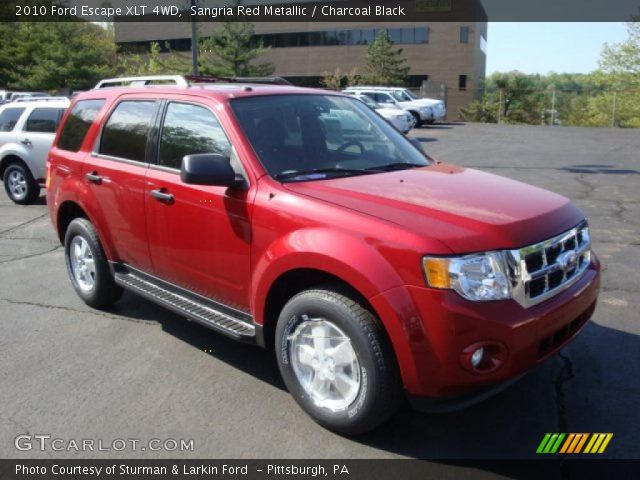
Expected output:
(477, 277)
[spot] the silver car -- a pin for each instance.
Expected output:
(27, 130)
(421, 113)
(400, 119)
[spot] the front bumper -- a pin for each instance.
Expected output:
(426, 114)
(401, 124)
(430, 328)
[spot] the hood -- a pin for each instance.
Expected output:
(430, 102)
(392, 112)
(468, 210)
(413, 104)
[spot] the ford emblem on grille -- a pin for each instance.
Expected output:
(568, 259)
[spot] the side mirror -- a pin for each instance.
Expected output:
(209, 169)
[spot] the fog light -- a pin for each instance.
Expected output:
(483, 357)
(476, 358)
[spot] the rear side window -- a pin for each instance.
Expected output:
(78, 123)
(125, 133)
(9, 117)
(189, 129)
(44, 120)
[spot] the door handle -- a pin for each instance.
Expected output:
(162, 196)
(93, 177)
(25, 142)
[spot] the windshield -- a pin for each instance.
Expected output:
(368, 101)
(401, 96)
(314, 137)
(411, 95)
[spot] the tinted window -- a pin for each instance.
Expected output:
(314, 137)
(78, 123)
(189, 129)
(44, 120)
(125, 133)
(9, 117)
(422, 35)
(464, 34)
(462, 82)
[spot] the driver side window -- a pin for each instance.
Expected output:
(189, 129)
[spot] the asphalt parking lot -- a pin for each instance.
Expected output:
(140, 372)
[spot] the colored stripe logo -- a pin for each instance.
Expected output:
(571, 443)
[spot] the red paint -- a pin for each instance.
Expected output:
(370, 231)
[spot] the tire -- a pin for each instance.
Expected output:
(337, 321)
(20, 185)
(95, 286)
(416, 117)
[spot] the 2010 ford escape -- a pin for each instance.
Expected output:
(267, 214)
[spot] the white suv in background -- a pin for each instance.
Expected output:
(405, 95)
(27, 129)
(399, 118)
(421, 113)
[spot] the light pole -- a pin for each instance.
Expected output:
(194, 43)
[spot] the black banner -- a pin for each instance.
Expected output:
(308, 469)
(320, 11)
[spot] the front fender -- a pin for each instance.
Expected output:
(340, 254)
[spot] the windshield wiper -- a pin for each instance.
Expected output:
(395, 166)
(346, 171)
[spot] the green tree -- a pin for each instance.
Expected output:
(55, 55)
(154, 63)
(624, 58)
(338, 80)
(385, 64)
(620, 71)
(232, 51)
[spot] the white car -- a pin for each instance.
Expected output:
(421, 113)
(399, 118)
(405, 95)
(27, 130)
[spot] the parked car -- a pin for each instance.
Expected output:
(399, 118)
(405, 95)
(421, 113)
(27, 129)
(5, 96)
(371, 270)
(15, 96)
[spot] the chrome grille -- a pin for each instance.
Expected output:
(543, 270)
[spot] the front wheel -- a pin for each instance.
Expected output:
(417, 120)
(20, 185)
(337, 362)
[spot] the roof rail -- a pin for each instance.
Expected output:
(38, 99)
(257, 80)
(183, 81)
(178, 80)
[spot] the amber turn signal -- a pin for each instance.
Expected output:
(437, 272)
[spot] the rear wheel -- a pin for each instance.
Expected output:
(336, 361)
(20, 184)
(87, 265)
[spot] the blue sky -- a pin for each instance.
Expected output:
(544, 47)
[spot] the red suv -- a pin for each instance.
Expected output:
(300, 220)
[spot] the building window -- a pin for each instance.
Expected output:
(462, 82)
(364, 36)
(464, 34)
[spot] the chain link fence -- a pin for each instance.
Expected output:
(594, 108)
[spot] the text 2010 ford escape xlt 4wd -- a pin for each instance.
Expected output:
(370, 269)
